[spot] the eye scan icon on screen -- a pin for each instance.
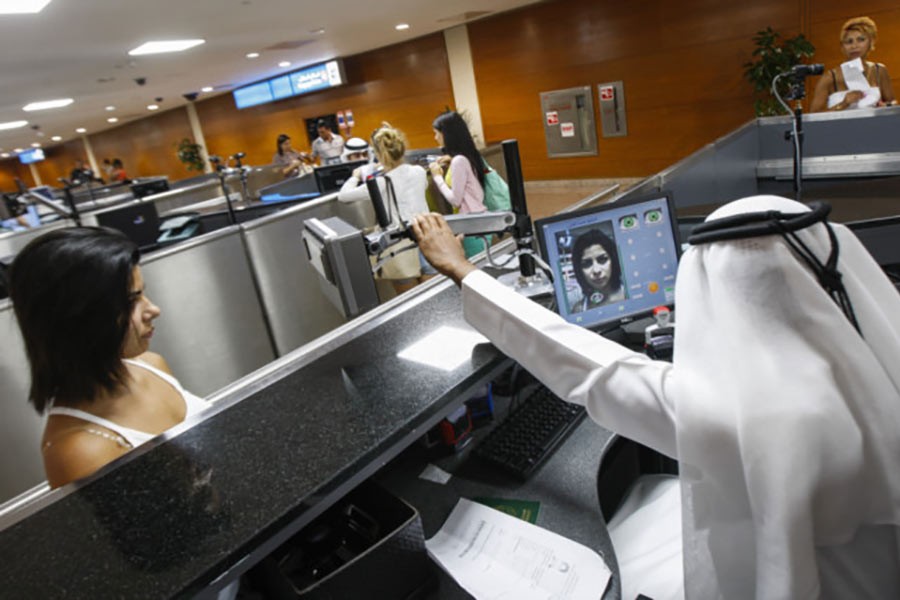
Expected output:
(628, 222)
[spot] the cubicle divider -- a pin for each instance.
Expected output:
(21, 427)
(295, 306)
(212, 330)
(13, 242)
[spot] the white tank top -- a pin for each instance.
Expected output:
(193, 405)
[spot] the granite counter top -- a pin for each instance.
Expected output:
(176, 514)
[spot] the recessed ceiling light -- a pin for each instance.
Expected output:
(19, 7)
(152, 107)
(206, 89)
(318, 31)
(35, 145)
(56, 138)
(4, 155)
(110, 108)
(47, 104)
(81, 130)
(17, 150)
(112, 120)
(284, 63)
(13, 124)
(253, 55)
(161, 47)
(401, 26)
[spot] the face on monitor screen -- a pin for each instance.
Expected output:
(611, 262)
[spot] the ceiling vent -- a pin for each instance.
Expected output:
(465, 17)
(289, 45)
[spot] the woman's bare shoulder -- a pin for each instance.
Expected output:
(155, 360)
(77, 453)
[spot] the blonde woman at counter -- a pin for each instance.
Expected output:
(79, 298)
(857, 38)
(403, 191)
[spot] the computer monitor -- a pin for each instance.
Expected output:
(330, 178)
(614, 262)
(138, 220)
(141, 189)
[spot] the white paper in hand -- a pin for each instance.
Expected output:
(494, 556)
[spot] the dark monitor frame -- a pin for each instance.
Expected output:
(124, 218)
(325, 174)
(539, 230)
(142, 189)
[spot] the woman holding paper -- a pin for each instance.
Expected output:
(858, 82)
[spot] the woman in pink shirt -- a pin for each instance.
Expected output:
(463, 187)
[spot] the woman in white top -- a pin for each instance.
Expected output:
(403, 192)
(78, 295)
(782, 403)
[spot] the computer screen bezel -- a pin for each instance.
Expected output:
(319, 173)
(539, 231)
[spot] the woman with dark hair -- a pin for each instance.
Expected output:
(595, 261)
(292, 162)
(78, 295)
(466, 190)
(118, 173)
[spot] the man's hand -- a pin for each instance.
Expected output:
(442, 249)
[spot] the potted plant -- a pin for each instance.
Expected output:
(773, 55)
(189, 153)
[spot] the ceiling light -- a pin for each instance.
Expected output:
(110, 108)
(19, 7)
(81, 130)
(206, 89)
(112, 120)
(56, 138)
(4, 155)
(47, 104)
(17, 150)
(161, 47)
(401, 26)
(35, 145)
(253, 55)
(152, 107)
(318, 31)
(13, 125)
(284, 64)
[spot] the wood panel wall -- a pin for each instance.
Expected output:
(681, 64)
(406, 84)
(147, 146)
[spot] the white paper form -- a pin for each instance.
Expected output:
(855, 78)
(494, 556)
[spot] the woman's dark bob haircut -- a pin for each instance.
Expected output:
(458, 140)
(281, 139)
(595, 237)
(71, 291)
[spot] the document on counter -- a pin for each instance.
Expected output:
(494, 556)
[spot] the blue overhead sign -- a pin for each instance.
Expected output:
(307, 80)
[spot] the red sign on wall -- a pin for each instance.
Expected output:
(607, 93)
(553, 118)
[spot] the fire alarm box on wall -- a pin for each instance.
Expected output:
(569, 125)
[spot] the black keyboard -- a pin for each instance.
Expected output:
(530, 434)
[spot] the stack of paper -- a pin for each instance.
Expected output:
(494, 556)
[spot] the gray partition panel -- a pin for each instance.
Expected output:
(295, 306)
(21, 427)
(737, 155)
(860, 131)
(693, 180)
(212, 330)
(11, 243)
